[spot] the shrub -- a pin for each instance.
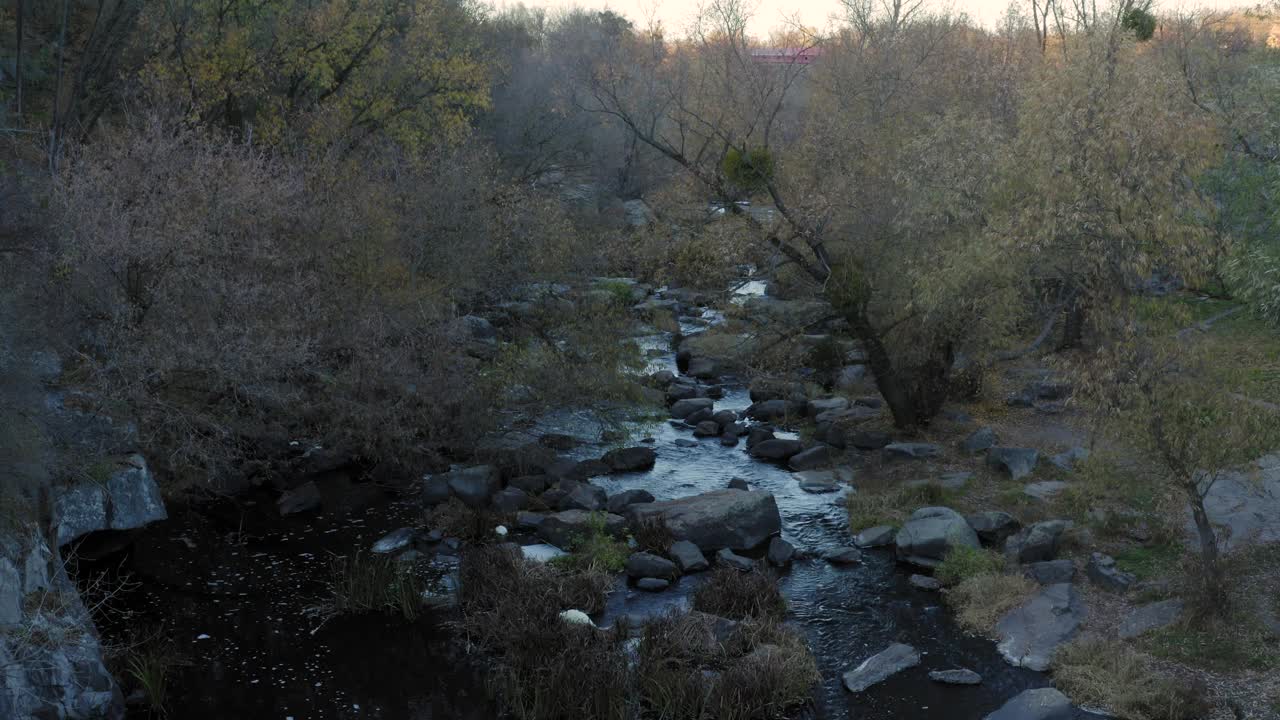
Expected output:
(597, 551)
(981, 600)
(652, 535)
(750, 170)
(456, 519)
(963, 562)
(1114, 676)
(1141, 22)
(366, 583)
(150, 666)
(740, 595)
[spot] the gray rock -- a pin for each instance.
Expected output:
(541, 552)
(774, 410)
(738, 484)
(648, 565)
(1050, 572)
(735, 519)
(881, 666)
(1102, 571)
(562, 529)
(851, 376)
(1067, 460)
(706, 428)
(703, 368)
(435, 489)
(930, 533)
(776, 449)
(1150, 617)
(395, 540)
(1030, 634)
(878, 536)
(1036, 542)
(947, 481)
(1044, 490)
(820, 455)
(638, 214)
(684, 443)
(1245, 504)
(475, 485)
(650, 584)
(729, 439)
(780, 552)
(297, 500)
(757, 435)
(823, 481)
(728, 557)
(697, 417)
(11, 594)
(961, 676)
(924, 582)
(529, 520)
(1018, 462)
(1037, 704)
(630, 459)
(980, 440)
(128, 499)
(531, 484)
(582, 496)
(619, 502)
(869, 439)
(510, 500)
(843, 556)
(821, 405)
(912, 451)
(848, 416)
(725, 418)
(687, 556)
(993, 526)
(684, 408)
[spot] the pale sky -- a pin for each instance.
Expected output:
(676, 15)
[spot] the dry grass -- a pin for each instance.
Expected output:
(1112, 675)
(981, 600)
(740, 595)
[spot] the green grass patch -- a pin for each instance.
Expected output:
(1149, 563)
(1227, 645)
(892, 506)
(963, 562)
(595, 551)
(366, 583)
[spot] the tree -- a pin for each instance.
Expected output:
(1140, 22)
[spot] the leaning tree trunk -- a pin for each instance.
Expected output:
(1073, 324)
(914, 395)
(1210, 556)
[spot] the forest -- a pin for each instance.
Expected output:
(425, 358)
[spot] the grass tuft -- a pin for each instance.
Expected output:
(963, 562)
(740, 595)
(365, 583)
(981, 600)
(1114, 676)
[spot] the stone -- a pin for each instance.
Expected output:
(851, 376)
(1245, 504)
(553, 497)
(1017, 462)
(685, 443)
(1150, 617)
(1102, 571)
(529, 520)
(576, 617)
(697, 417)
(582, 496)
(776, 449)
(739, 484)
(541, 552)
(961, 676)
(993, 526)
(724, 418)
(630, 459)
(878, 536)
(736, 519)
(395, 540)
(651, 584)
(684, 408)
(843, 556)
(11, 594)
(1050, 572)
(821, 405)
(531, 484)
(729, 439)
(981, 440)
(757, 435)
(648, 565)
(703, 368)
(687, 556)
(474, 485)
(930, 533)
(780, 552)
(619, 502)
(924, 582)
(304, 498)
(947, 481)
(1044, 490)
(1036, 542)
(848, 416)
(869, 439)
(823, 481)
(128, 499)
(510, 500)
(820, 455)
(706, 428)
(881, 666)
(562, 529)
(1067, 460)
(774, 410)
(1037, 704)
(731, 559)
(912, 451)
(1031, 633)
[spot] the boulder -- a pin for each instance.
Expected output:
(725, 418)
(541, 552)
(823, 481)
(878, 536)
(630, 459)
(780, 552)
(300, 499)
(738, 484)
(707, 428)
(684, 408)
(774, 410)
(1018, 462)
(687, 556)
(930, 533)
(868, 439)
(847, 417)
(961, 676)
(1150, 617)
(980, 440)
(757, 435)
(731, 559)
(510, 500)
(1245, 504)
(946, 481)
(881, 666)
(819, 455)
(1102, 571)
(1036, 542)
(703, 368)
(651, 584)
(648, 565)
(1044, 490)
(1031, 633)
(582, 496)
(531, 484)
(851, 376)
(562, 529)
(1037, 704)
(993, 526)
(734, 519)
(698, 417)
(924, 582)
(474, 485)
(529, 520)
(843, 556)
(395, 540)
(776, 449)
(1067, 460)
(912, 451)
(822, 405)
(1050, 572)
(619, 502)
(128, 499)
(729, 439)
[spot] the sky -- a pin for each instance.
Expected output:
(676, 15)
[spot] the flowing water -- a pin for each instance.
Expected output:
(236, 588)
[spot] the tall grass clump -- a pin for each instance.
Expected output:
(365, 583)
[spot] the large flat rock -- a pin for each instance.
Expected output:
(735, 519)
(881, 666)
(1245, 504)
(1031, 633)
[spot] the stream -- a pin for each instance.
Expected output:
(234, 586)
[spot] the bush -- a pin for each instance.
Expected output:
(750, 170)
(456, 519)
(981, 600)
(598, 551)
(963, 562)
(365, 583)
(740, 595)
(1112, 675)
(1141, 22)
